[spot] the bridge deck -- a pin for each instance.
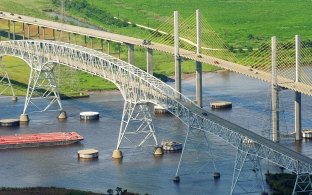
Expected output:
(247, 71)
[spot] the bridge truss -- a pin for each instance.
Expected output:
(138, 88)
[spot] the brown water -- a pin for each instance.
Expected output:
(140, 171)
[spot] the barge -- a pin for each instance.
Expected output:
(39, 139)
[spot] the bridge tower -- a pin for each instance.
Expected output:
(136, 129)
(42, 92)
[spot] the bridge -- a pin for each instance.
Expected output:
(140, 88)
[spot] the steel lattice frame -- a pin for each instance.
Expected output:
(137, 86)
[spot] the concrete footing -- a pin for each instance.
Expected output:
(24, 118)
(158, 151)
(216, 175)
(14, 98)
(176, 179)
(88, 154)
(221, 105)
(117, 154)
(62, 115)
(9, 122)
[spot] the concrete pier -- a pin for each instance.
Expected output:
(9, 122)
(149, 61)
(297, 106)
(130, 54)
(13, 30)
(62, 115)
(199, 85)
(177, 57)
(117, 154)
(24, 118)
(88, 154)
(275, 95)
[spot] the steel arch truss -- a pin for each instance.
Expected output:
(136, 129)
(42, 86)
(137, 86)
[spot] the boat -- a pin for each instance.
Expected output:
(39, 139)
(169, 145)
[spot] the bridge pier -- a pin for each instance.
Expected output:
(149, 60)
(13, 30)
(298, 128)
(197, 140)
(9, 29)
(247, 175)
(275, 95)
(28, 31)
(130, 54)
(177, 57)
(91, 42)
(43, 79)
(136, 129)
(108, 47)
(43, 33)
(199, 85)
(68, 37)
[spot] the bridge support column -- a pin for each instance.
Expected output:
(275, 95)
(85, 41)
(177, 56)
(42, 90)
(136, 129)
(197, 140)
(23, 27)
(28, 31)
(298, 127)
(68, 37)
(53, 34)
(149, 60)
(13, 30)
(9, 29)
(130, 54)
(247, 175)
(108, 47)
(43, 33)
(102, 45)
(91, 42)
(303, 184)
(199, 85)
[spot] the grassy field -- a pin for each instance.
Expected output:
(240, 24)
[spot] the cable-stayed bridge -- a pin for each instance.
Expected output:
(139, 88)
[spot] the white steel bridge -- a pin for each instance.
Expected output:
(139, 88)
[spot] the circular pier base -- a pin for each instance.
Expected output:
(62, 115)
(158, 151)
(117, 154)
(216, 175)
(88, 153)
(24, 118)
(9, 122)
(176, 179)
(14, 98)
(221, 105)
(89, 116)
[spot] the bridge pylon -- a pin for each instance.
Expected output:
(42, 91)
(136, 129)
(247, 175)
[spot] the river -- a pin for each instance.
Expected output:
(140, 171)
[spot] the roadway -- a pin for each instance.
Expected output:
(240, 69)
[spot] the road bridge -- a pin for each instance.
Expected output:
(130, 41)
(139, 88)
